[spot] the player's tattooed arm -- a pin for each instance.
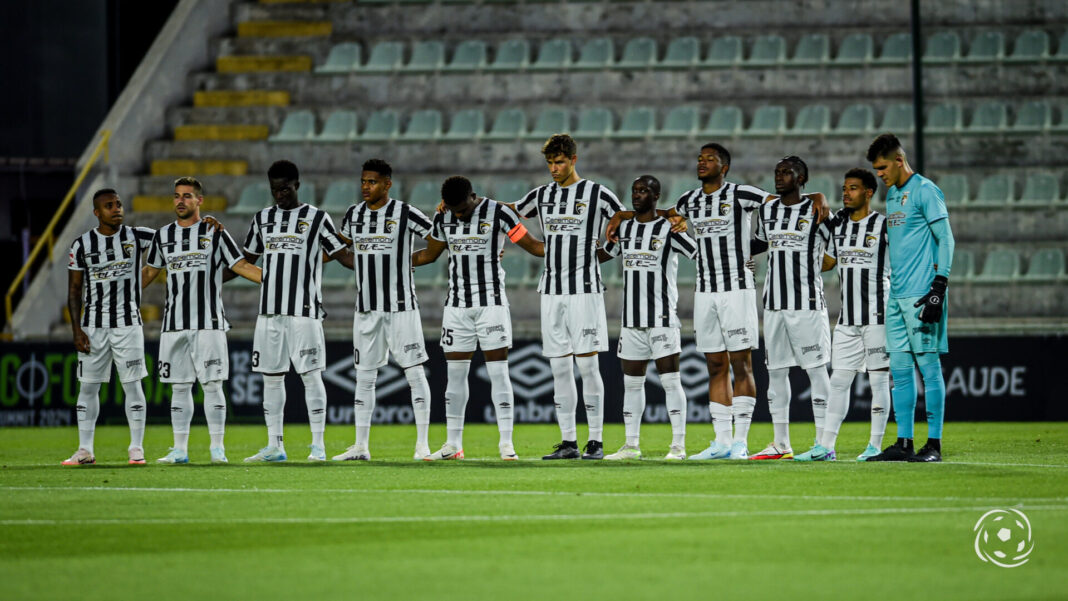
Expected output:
(433, 250)
(248, 271)
(74, 305)
(148, 275)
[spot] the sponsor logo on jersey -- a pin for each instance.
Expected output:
(562, 225)
(284, 243)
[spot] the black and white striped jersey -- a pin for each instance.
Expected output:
(292, 243)
(863, 269)
(572, 219)
(382, 243)
(796, 246)
(720, 223)
(476, 278)
(650, 254)
(195, 257)
(112, 280)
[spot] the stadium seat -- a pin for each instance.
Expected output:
(1041, 189)
(681, 122)
(382, 126)
(821, 182)
(680, 184)
(594, 124)
(336, 275)
(761, 273)
(954, 188)
(467, 125)
(340, 195)
(682, 53)
(988, 46)
(253, 197)
(898, 118)
(308, 193)
(855, 49)
(427, 57)
(516, 263)
(343, 58)
(612, 273)
(995, 190)
(1046, 264)
(856, 119)
(725, 51)
(725, 120)
(385, 57)
(639, 53)
(768, 50)
(1001, 265)
(509, 124)
(470, 55)
(765, 182)
(512, 55)
(340, 126)
(596, 53)
(425, 196)
(553, 55)
(550, 121)
(812, 120)
(687, 274)
(989, 117)
(424, 126)
(1033, 116)
(812, 50)
(1031, 45)
(610, 183)
(897, 48)
(768, 120)
(511, 190)
(944, 118)
(942, 47)
(963, 265)
(431, 275)
(638, 124)
(299, 126)
(1062, 48)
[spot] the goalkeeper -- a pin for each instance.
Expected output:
(921, 253)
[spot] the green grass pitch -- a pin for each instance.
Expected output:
(483, 529)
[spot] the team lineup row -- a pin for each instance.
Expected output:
(893, 270)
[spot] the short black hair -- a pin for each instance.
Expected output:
(190, 181)
(724, 154)
(378, 166)
(559, 144)
(650, 181)
(801, 166)
(284, 170)
(103, 192)
(866, 177)
(455, 190)
(886, 145)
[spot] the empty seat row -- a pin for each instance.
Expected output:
(1040, 189)
(684, 52)
(1003, 265)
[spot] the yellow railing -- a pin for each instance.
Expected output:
(48, 237)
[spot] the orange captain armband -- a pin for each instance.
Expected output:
(516, 233)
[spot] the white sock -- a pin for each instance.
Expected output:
(675, 399)
(565, 397)
(315, 399)
(592, 394)
(274, 406)
(880, 405)
(821, 388)
(420, 403)
(721, 423)
(181, 413)
(633, 407)
(136, 407)
(456, 393)
(837, 406)
(742, 410)
(503, 397)
(364, 405)
(779, 404)
(215, 412)
(88, 409)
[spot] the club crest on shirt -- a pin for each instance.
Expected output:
(655, 243)
(802, 224)
(724, 209)
(303, 225)
(869, 240)
(484, 227)
(204, 242)
(580, 208)
(904, 198)
(390, 226)
(127, 250)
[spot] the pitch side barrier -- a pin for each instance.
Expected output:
(38, 385)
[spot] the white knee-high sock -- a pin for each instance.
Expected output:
(675, 399)
(215, 412)
(565, 396)
(633, 407)
(592, 394)
(821, 388)
(315, 399)
(721, 423)
(274, 407)
(88, 409)
(136, 407)
(742, 410)
(181, 413)
(456, 393)
(779, 404)
(503, 398)
(880, 405)
(416, 376)
(364, 405)
(837, 406)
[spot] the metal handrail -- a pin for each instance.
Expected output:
(48, 237)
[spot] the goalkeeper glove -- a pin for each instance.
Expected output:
(932, 303)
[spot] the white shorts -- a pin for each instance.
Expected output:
(860, 348)
(801, 338)
(726, 321)
(465, 329)
(376, 334)
(573, 324)
(188, 355)
(644, 344)
(124, 346)
(280, 339)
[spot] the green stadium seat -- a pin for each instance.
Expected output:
(725, 51)
(512, 55)
(898, 118)
(954, 188)
(897, 49)
(944, 118)
(768, 120)
(963, 265)
(517, 265)
(813, 49)
(1041, 189)
(396, 189)
(553, 55)
(511, 190)
(509, 124)
(812, 120)
(989, 117)
(550, 121)
(687, 274)
(470, 55)
(308, 193)
(299, 126)
(821, 182)
(681, 122)
(761, 261)
(612, 272)
(340, 195)
(597, 53)
(382, 126)
(942, 47)
(343, 58)
(385, 57)
(680, 184)
(467, 125)
(725, 120)
(1031, 45)
(336, 275)
(427, 57)
(425, 196)
(424, 126)
(1062, 48)
(856, 119)
(340, 126)
(1001, 265)
(610, 183)
(768, 50)
(638, 124)
(639, 53)
(855, 49)
(995, 190)
(1034, 116)
(253, 198)
(987, 47)
(765, 182)
(431, 275)
(594, 124)
(1046, 264)
(682, 53)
